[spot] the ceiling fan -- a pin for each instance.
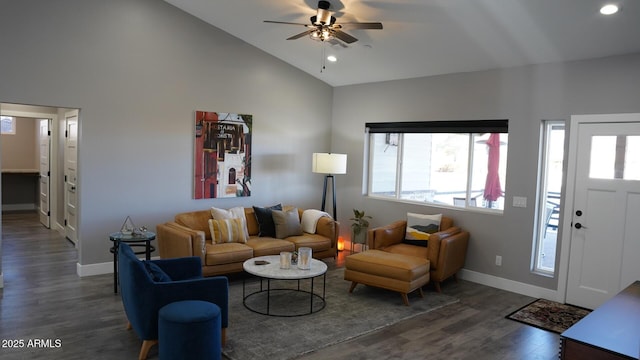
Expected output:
(323, 26)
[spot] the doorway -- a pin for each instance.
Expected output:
(50, 169)
(603, 205)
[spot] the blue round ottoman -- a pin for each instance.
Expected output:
(189, 329)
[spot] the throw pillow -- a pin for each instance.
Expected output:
(265, 220)
(236, 212)
(157, 274)
(419, 227)
(226, 231)
(287, 223)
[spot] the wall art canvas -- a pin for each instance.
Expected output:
(222, 161)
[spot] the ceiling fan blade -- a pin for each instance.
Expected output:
(336, 42)
(360, 25)
(298, 36)
(284, 22)
(344, 36)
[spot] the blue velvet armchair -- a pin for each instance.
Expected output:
(146, 286)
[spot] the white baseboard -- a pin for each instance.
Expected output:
(99, 268)
(94, 269)
(509, 285)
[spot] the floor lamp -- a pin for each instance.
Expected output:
(329, 164)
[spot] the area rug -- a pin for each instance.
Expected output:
(549, 315)
(345, 316)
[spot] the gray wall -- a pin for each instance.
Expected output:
(137, 70)
(525, 96)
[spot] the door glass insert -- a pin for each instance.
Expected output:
(612, 157)
(632, 163)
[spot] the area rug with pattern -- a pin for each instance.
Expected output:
(549, 315)
(344, 317)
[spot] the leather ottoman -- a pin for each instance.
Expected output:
(396, 272)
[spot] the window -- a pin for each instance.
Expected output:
(612, 157)
(8, 125)
(550, 180)
(451, 163)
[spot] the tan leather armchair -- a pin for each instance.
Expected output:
(446, 250)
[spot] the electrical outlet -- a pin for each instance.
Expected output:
(498, 260)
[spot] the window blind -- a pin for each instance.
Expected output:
(445, 126)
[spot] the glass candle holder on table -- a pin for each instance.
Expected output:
(285, 260)
(304, 258)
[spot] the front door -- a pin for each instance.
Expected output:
(71, 176)
(606, 208)
(44, 141)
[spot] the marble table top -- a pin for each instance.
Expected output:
(273, 270)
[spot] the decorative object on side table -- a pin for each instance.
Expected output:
(127, 227)
(359, 228)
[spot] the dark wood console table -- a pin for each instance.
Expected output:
(612, 331)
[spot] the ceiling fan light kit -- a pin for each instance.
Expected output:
(323, 26)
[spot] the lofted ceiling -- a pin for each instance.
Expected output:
(429, 37)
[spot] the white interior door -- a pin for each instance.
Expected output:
(71, 176)
(605, 216)
(44, 138)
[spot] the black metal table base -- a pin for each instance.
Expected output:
(148, 249)
(313, 298)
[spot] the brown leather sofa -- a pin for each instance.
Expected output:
(446, 250)
(189, 235)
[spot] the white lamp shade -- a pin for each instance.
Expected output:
(328, 163)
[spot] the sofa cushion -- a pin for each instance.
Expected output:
(227, 231)
(317, 243)
(236, 212)
(265, 220)
(287, 223)
(229, 253)
(419, 227)
(263, 246)
(412, 250)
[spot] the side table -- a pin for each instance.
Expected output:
(134, 240)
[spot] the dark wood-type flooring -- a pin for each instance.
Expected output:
(58, 315)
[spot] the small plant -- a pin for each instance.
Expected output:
(360, 222)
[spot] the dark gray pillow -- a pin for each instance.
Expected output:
(287, 223)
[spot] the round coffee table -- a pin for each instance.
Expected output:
(271, 271)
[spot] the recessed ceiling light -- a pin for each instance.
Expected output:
(609, 9)
(332, 58)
